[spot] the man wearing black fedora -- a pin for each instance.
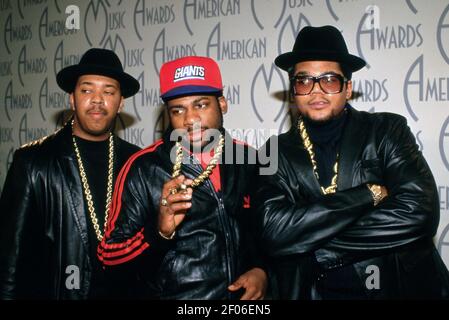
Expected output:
(353, 207)
(57, 192)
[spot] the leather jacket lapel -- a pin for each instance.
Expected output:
(303, 165)
(350, 149)
(72, 179)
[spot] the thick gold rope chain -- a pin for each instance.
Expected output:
(86, 188)
(206, 173)
(309, 147)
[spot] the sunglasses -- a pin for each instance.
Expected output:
(330, 83)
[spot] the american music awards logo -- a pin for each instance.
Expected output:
(27, 134)
(418, 88)
(130, 57)
(26, 4)
(386, 37)
(145, 97)
(443, 242)
(269, 99)
(261, 14)
(50, 28)
(102, 17)
(199, 10)
(444, 143)
(163, 52)
(134, 135)
(62, 59)
(145, 16)
(264, 79)
(6, 135)
(235, 49)
(443, 35)
(14, 102)
(28, 66)
(331, 7)
(289, 30)
(116, 44)
(48, 100)
(15, 33)
(96, 22)
(371, 90)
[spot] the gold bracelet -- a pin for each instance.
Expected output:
(170, 237)
(376, 193)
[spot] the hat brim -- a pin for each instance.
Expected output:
(67, 78)
(190, 90)
(287, 60)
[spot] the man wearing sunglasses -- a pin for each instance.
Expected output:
(353, 207)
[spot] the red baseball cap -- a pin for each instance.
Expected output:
(190, 75)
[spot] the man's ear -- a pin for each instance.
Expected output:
(223, 103)
(72, 102)
(348, 90)
(122, 104)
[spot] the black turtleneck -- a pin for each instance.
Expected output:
(95, 157)
(325, 137)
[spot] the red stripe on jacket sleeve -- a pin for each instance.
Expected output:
(127, 258)
(108, 253)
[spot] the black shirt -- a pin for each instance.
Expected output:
(325, 137)
(95, 158)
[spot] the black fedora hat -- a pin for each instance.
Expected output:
(319, 43)
(102, 62)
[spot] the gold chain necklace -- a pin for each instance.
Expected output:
(309, 147)
(206, 173)
(87, 193)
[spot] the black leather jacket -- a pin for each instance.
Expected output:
(43, 221)
(307, 233)
(210, 248)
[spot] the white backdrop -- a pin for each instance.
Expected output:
(405, 42)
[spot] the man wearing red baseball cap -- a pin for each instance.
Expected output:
(182, 204)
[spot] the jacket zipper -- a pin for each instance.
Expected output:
(225, 226)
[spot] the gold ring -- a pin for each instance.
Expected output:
(173, 191)
(182, 187)
(164, 202)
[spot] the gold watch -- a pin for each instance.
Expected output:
(376, 192)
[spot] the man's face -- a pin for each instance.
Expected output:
(196, 114)
(319, 106)
(96, 101)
